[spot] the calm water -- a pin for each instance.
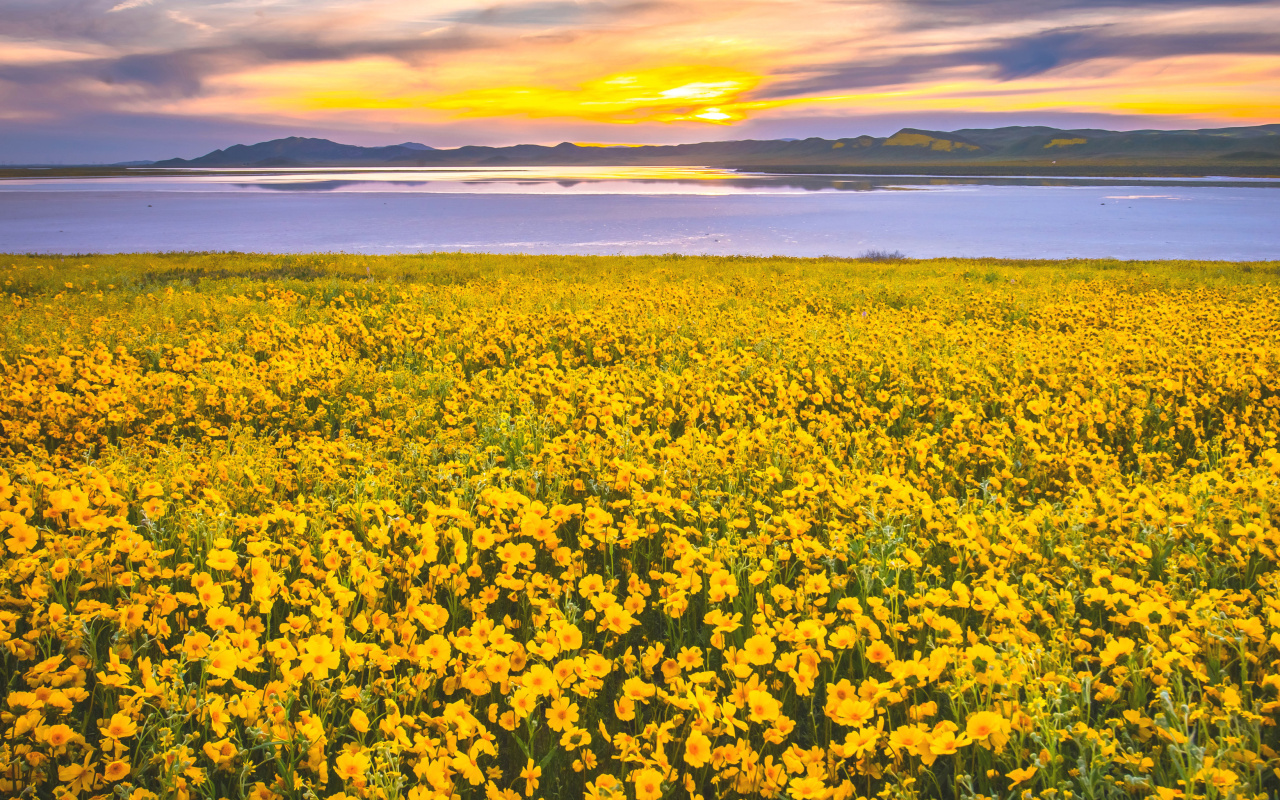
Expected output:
(641, 210)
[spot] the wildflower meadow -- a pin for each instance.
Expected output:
(468, 526)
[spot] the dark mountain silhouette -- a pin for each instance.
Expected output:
(295, 151)
(983, 148)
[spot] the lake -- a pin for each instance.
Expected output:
(636, 210)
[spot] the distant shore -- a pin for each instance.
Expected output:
(1082, 169)
(1037, 169)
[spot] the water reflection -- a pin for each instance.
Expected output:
(720, 183)
(736, 183)
(570, 180)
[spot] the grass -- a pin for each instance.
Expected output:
(131, 273)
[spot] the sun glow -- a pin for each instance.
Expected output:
(1209, 87)
(664, 94)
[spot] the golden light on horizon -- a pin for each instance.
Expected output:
(724, 95)
(704, 94)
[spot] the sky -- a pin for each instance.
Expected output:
(92, 81)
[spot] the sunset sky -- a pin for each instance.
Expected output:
(106, 80)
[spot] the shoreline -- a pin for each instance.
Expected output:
(1030, 169)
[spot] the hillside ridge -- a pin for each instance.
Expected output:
(1014, 144)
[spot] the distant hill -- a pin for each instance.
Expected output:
(297, 151)
(980, 149)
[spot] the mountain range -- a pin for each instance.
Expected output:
(1230, 149)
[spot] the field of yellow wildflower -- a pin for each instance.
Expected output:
(636, 528)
